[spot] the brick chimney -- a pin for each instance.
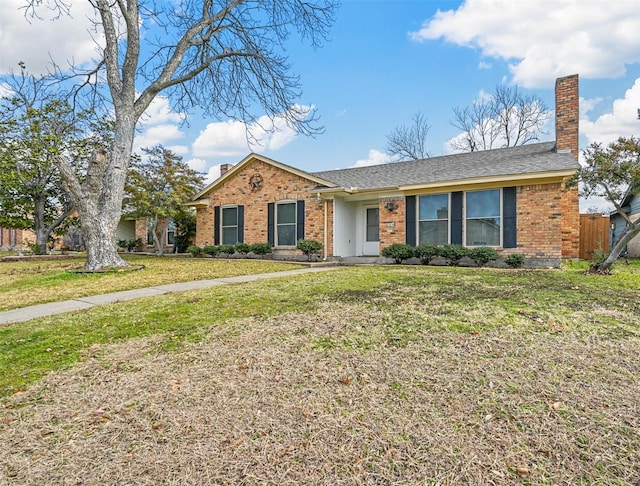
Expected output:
(224, 168)
(567, 114)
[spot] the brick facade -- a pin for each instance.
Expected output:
(275, 185)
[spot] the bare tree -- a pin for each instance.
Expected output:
(222, 56)
(505, 119)
(410, 141)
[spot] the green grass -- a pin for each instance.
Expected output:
(25, 283)
(406, 304)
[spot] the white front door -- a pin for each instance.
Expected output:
(371, 242)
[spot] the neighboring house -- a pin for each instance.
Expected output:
(15, 239)
(512, 199)
(130, 229)
(631, 206)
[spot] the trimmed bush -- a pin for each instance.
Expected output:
(227, 249)
(482, 255)
(426, 253)
(309, 248)
(398, 251)
(195, 251)
(211, 250)
(242, 248)
(454, 253)
(261, 249)
(515, 261)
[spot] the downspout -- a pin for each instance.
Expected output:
(326, 236)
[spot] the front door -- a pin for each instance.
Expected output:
(371, 244)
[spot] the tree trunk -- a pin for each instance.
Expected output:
(627, 235)
(99, 234)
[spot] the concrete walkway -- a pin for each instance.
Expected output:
(52, 308)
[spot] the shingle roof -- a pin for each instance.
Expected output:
(524, 159)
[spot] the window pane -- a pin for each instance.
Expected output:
(286, 213)
(434, 232)
(483, 232)
(483, 204)
(434, 207)
(373, 222)
(230, 235)
(229, 216)
(286, 235)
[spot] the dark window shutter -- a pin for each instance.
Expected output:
(456, 217)
(271, 209)
(300, 221)
(509, 212)
(240, 224)
(410, 229)
(216, 225)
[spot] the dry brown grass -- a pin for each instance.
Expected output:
(286, 400)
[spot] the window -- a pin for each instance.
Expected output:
(286, 224)
(12, 237)
(433, 219)
(150, 232)
(483, 218)
(171, 232)
(229, 222)
(373, 224)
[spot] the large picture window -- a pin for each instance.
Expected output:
(286, 224)
(229, 224)
(483, 218)
(433, 219)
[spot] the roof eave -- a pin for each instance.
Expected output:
(529, 177)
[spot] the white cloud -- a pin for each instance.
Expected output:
(199, 165)
(33, 40)
(233, 137)
(622, 121)
(376, 157)
(544, 40)
(179, 149)
(159, 134)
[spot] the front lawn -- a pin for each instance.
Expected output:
(362, 375)
(24, 283)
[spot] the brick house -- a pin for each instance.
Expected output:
(131, 229)
(15, 239)
(512, 199)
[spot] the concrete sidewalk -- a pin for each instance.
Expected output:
(53, 308)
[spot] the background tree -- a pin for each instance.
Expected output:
(613, 172)
(506, 118)
(185, 230)
(223, 56)
(35, 129)
(409, 141)
(157, 186)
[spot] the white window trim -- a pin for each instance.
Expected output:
(222, 226)
(418, 220)
(464, 218)
(295, 223)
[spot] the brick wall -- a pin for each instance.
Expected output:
(539, 220)
(276, 185)
(570, 227)
(392, 223)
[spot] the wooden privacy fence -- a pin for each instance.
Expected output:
(594, 234)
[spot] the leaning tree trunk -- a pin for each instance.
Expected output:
(629, 233)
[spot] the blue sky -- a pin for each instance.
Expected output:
(387, 60)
